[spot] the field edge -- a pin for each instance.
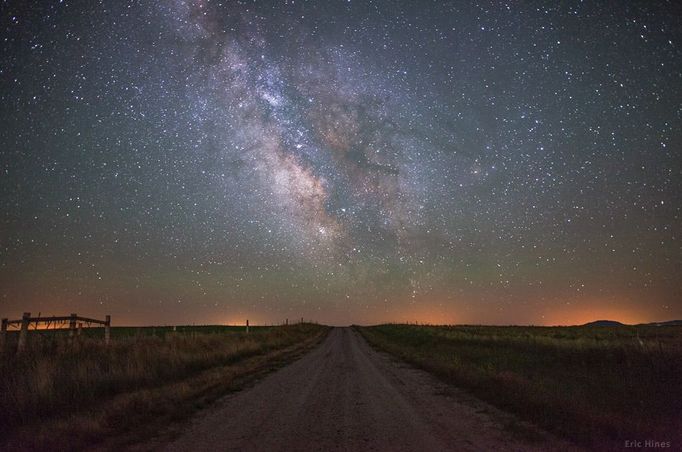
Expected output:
(148, 418)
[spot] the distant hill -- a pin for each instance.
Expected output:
(667, 323)
(616, 323)
(604, 323)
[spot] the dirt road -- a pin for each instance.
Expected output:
(345, 396)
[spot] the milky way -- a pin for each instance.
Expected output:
(341, 161)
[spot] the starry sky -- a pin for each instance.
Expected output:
(182, 161)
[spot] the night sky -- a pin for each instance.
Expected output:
(341, 161)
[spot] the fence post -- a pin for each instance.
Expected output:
(286, 322)
(107, 330)
(23, 334)
(247, 326)
(3, 335)
(72, 325)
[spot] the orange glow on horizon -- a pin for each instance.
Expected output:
(581, 314)
(434, 309)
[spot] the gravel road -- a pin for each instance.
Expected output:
(344, 395)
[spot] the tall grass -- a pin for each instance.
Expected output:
(57, 376)
(596, 386)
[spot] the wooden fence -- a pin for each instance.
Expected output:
(73, 323)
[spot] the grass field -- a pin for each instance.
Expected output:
(67, 393)
(597, 386)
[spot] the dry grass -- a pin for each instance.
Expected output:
(82, 393)
(596, 386)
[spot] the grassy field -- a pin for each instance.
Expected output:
(68, 394)
(597, 386)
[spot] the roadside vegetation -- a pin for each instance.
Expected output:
(597, 386)
(70, 393)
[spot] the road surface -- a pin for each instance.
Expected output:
(344, 395)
